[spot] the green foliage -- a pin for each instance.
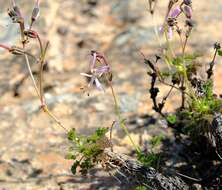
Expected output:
(171, 119)
(151, 159)
(85, 149)
(208, 104)
(220, 52)
(156, 140)
(197, 118)
(141, 188)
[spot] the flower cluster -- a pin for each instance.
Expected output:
(173, 12)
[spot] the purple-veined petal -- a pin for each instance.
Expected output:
(86, 75)
(99, 85)
(102, 69)
(175, 12)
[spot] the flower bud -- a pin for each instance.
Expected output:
(187, 2)
(35, 12)
(187, 11)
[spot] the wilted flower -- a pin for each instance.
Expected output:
(97, 71)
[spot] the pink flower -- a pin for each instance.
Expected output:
(97, 71)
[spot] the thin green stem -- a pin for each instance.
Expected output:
(122, 124)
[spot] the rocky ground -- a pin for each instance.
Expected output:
(33, 147)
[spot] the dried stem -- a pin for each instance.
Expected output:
(212, 63)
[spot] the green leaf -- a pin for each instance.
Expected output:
(101, 131)
(70, 156)
(72, 135)
(191, 57)
(172, 119)
(220, 52)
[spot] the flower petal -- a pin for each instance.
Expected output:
(99, 85)
(175, 12)
(102, 69)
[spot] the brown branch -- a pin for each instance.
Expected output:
(144, 175)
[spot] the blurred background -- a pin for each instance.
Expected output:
(32, 146)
